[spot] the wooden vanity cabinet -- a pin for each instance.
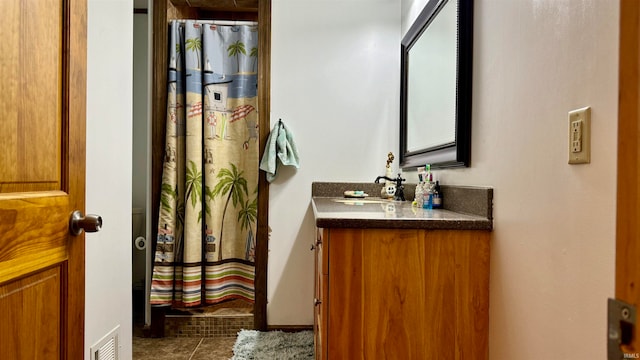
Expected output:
(401, 294)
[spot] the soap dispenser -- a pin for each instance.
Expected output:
(437, 196)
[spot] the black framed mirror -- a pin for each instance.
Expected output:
(435, 90)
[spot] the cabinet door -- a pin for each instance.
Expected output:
(320, 300)
(346, 314)
(407, 294)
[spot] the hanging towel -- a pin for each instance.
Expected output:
(280, 146)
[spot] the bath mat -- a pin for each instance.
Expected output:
(270, 345)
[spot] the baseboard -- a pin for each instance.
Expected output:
(290, 328)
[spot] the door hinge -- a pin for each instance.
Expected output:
(621, 330)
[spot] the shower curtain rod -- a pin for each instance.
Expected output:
(219, 22)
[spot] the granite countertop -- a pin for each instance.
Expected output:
(331, 210)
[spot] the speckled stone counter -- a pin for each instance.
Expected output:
(465, 208)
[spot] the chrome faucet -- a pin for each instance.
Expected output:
(399, 194)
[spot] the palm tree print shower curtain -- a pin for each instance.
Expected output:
(206, 244)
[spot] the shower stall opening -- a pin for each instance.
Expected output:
(208, 212)
(205, 246)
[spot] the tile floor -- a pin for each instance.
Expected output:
(214, 341)
(183, 348)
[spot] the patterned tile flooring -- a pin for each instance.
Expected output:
(225, 320)
(183, 348)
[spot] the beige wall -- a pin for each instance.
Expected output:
(552, 259)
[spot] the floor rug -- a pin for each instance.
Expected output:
(273, 345)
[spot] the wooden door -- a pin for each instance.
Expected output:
(628, 198)
(42, 171)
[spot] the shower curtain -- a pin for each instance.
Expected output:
(208, 204)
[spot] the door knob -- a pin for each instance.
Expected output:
(89, 223)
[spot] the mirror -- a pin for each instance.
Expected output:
(435, 92)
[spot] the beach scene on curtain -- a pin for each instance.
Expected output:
(205, 249)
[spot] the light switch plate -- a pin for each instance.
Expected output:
(580, 136)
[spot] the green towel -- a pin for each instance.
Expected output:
(280, 149)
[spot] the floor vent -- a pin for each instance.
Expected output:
(107, 347)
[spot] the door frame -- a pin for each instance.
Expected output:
(627, 282)
(163, 10)
(73, 180)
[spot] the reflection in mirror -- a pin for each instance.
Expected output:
(435, 116)
(431, 58)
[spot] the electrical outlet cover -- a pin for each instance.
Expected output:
(579, 143)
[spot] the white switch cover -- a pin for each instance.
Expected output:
(580, 136)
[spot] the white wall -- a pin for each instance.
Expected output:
(553, 246)
(552, 262)
(335, 83)
(109, 128)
